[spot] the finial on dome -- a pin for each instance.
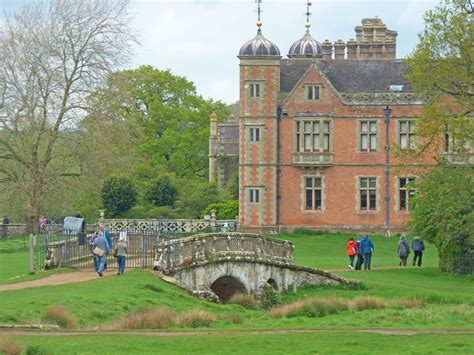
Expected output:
(308, 14)
(259, 12)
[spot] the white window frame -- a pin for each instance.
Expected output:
(313, 92)
(254, 134)
(406, 134)
(313, 135)
(408, 192)
(368, 131)
(368, 187)
(254, 90)
(313, 189)
(254, 196)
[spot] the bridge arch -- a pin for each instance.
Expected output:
(272, 282)
(226, 286)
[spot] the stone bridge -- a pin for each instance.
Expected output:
(216, 266)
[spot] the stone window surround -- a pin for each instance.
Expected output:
(313, 85)
(303, 194)
(261, 89)
(377, 195)
(398, 122)
(359, 136)
(250, 192)
(321, 119)
(397, 194)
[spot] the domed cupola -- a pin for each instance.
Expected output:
(259, 46)
(307, 46)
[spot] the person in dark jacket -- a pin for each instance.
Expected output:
(360, 257)
(5, 220)
(418, 247)
(367, 248)
(403, 250)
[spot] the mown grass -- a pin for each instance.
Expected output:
(295, 343)
(415, 298)
(14, 261)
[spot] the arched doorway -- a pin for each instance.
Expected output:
(227, 286)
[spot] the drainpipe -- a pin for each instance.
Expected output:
(387, 112)
(278, 171)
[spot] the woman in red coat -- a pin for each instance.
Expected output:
(351, 252)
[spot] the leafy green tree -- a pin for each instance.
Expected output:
(118, 195)
(170, 118)
(161, 192)
(441, 70)
(443, 213)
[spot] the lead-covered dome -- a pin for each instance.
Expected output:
(305, 47)
(259, 46)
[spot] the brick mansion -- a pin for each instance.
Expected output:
(310, 142)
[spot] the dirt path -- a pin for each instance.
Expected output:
(56, 279)
(229, 332)
(373, 268)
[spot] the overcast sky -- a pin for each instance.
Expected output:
(200, 39)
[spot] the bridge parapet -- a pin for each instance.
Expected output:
(175, 254)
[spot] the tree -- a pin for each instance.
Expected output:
(118, 195)
(173, 120)
(52, 55)
(443, 214)
(441, 69)
(161, 192)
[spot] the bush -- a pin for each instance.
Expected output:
(409, 302)
(224, 210)
(60, 316)
(118, 195)
(245, 300)
(9, 348)
(161, 192)
(195, 318)
(157, 318)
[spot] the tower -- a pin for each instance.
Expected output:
(259, 89)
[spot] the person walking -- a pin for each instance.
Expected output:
(403, 250)
(105, 231)
(351, 252)
(367, 248)
(418, 247)
(100, 250)
(360, 257)
(121, 250)
(5, 220)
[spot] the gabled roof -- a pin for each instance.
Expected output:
(348, 75)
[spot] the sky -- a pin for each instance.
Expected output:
(200, 39)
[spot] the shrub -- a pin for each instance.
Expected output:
(9, 348)
(60, 316)
(270, 297)
(156, 318)
(245, 300)
(118, 195)
(225, 210)
(368, 302)
(36, 350)
(195, 318)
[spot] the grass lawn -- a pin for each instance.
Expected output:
(305, 343)
(14, 259)
(449, 305)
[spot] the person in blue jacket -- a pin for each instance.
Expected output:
(418, 247)
(367, 248)
(108, 238)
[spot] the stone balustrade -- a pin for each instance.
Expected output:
(166, 226)
(8, 230)
(174, 254)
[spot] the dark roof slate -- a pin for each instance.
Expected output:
(348, 75)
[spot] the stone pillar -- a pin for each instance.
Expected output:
(364, 50)
(339, 49)
(390, 49)
(327, 50)
(213, 149)
(351, 49)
